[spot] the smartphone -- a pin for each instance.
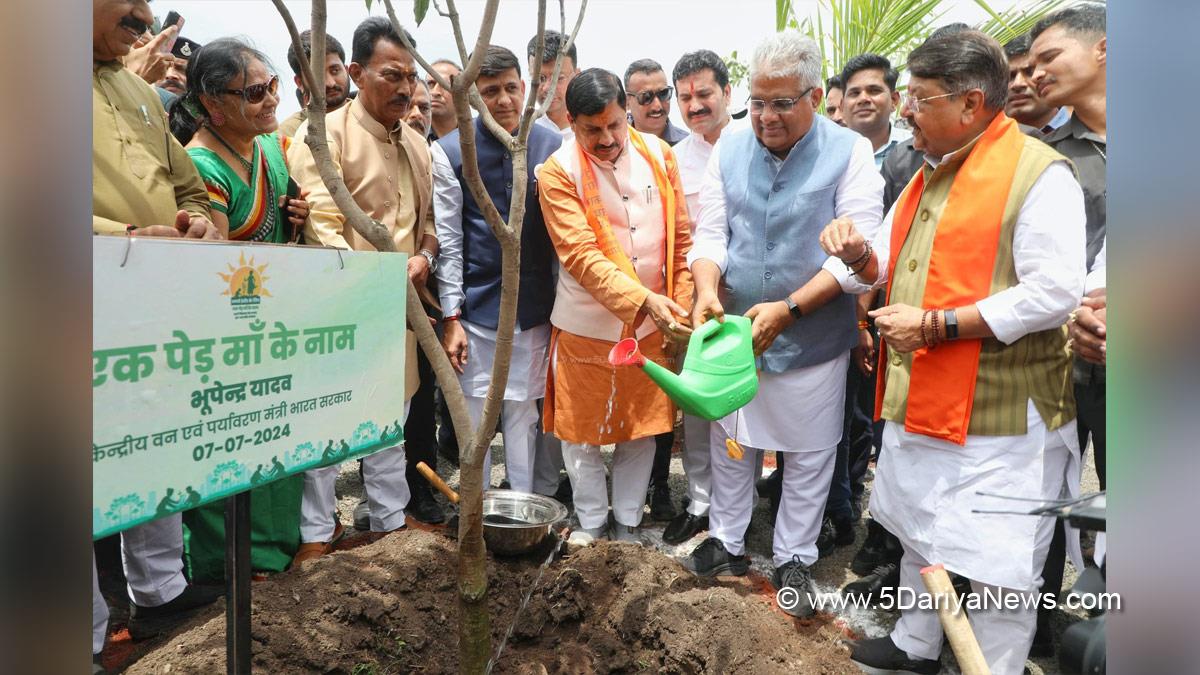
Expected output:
(293, 192)
(173, 18)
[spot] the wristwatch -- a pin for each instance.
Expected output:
(433, 264)
(951, 317)
(792, 308)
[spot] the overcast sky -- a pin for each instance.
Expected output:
(614, 33)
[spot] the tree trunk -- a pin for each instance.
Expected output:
(474, 621)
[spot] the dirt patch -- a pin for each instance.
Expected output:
(390, 607)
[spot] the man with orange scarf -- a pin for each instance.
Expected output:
(983, 257)
(615, 212)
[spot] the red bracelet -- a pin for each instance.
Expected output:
(924, 335)
(453, 317)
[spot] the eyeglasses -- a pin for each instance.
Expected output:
(779, 106)
(645, 97)
(915, 103)
(255, 93)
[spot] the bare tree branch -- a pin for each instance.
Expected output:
(563, 49)
(306, 72)
(459, 41)
(396, 26)
(438, 7)
(527, 114)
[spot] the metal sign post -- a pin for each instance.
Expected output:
(237, 584)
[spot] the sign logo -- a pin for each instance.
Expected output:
(245, 287)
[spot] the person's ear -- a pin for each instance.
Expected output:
(210, 104)
(522, 90)
(299, 82)
(816, 96)
(1100, 49)
(356, 73)
(728, 93)
(895, 99)
(972, 105)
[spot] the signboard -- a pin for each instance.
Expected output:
(218, 367)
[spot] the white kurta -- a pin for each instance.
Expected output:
(799, 410)
(925, 490)
(566, 132)
(925, 487)
(527, 369)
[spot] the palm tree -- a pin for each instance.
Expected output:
(890, 28)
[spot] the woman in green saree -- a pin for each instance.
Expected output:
(226, 120)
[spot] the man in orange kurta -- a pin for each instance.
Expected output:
(615, 211)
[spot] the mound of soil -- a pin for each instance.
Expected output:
(390, 607)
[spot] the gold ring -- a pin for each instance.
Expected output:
(1072, 316)
(673, 326)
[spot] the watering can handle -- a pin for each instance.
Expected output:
(707, 329)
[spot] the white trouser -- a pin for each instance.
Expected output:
(99, 611)
(801, 507)
(697, 464)
(152, 555)
(387, 494)
(547, 462)
(519, 425)
(1004, 635)
(632, 463)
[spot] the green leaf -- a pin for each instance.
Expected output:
(369, 5)
(420, 7)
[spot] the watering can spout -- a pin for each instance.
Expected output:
(626, 353)
(718, 374)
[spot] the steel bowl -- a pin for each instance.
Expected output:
(518, 521)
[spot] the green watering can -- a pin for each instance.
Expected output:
(718, 374)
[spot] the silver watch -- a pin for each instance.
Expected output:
(433, 264)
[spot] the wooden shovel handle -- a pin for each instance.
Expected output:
(954, 623)
(437, 482)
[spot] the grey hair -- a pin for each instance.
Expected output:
(788, 54)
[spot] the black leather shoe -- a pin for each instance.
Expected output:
(147, 622)
(886, 575)
(661, 508)
(796, 576)
(710, 559)
(880, 547)
(683, 527)
(834, 533)
(881, 655)
(423, 507)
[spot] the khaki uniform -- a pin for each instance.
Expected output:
(141, 175)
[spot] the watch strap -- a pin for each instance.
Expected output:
(951, 318)
(793, 309)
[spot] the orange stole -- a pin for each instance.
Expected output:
(591, 401)
(941, 390)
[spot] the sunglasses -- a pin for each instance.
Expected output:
(645, 97)
(255, 93)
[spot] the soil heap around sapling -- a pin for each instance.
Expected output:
(391, 607)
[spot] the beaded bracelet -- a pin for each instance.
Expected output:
(861, 261)
(937, 333)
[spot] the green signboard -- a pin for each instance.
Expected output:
(218, 366)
